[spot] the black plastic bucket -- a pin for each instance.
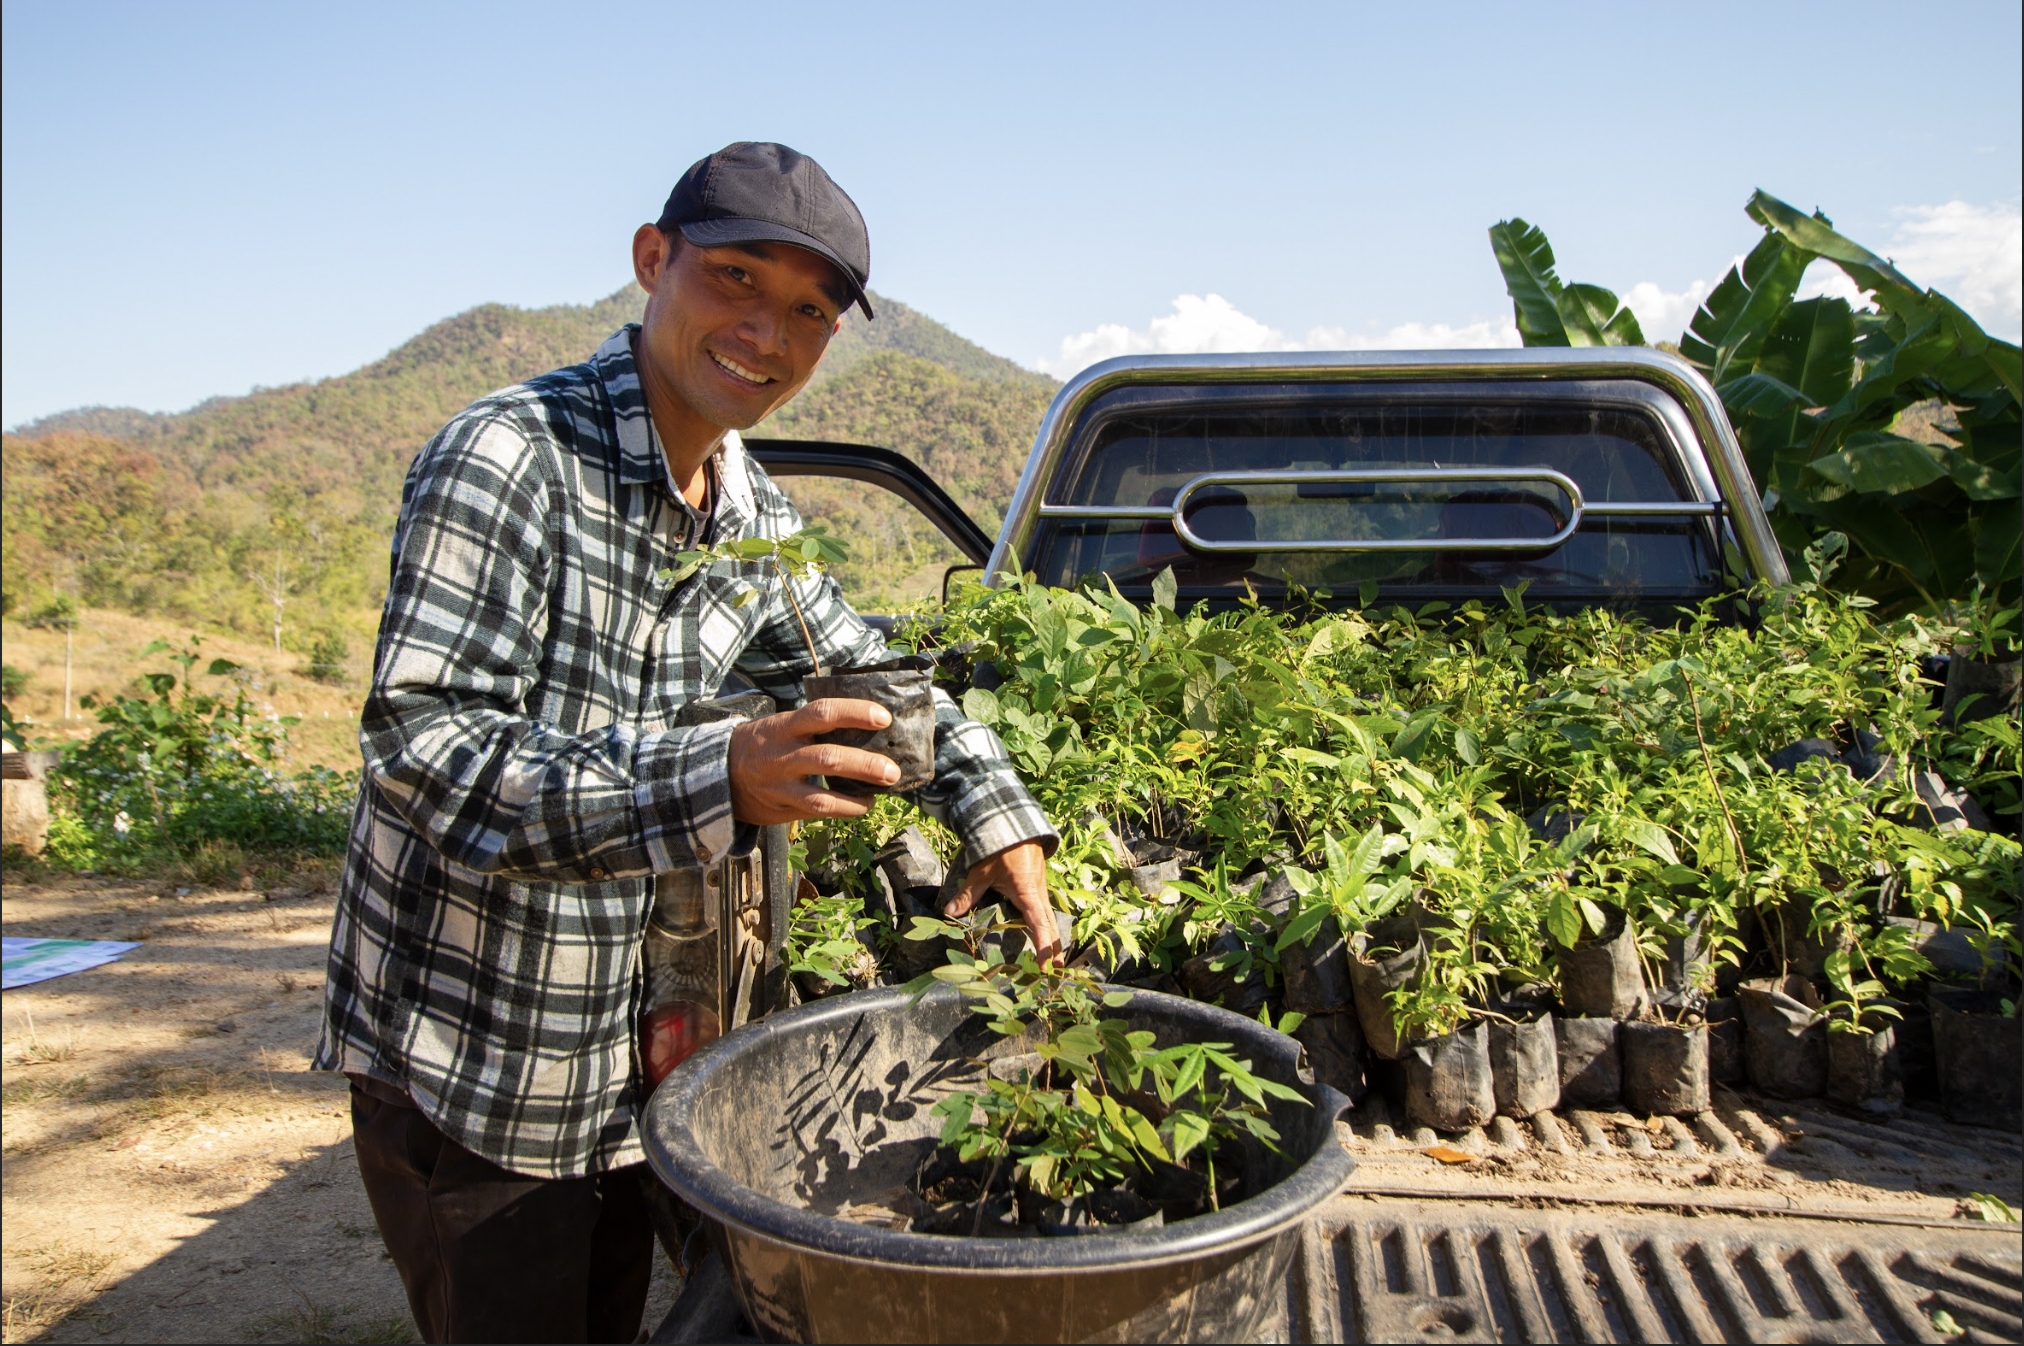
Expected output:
(826, 1106)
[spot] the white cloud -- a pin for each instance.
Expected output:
(1202, 324)
(1972, 254)
(1663, 314)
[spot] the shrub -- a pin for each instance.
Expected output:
(328, 657)
(178, 773)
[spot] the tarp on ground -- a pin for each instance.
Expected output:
(27, 961)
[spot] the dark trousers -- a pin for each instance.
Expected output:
(491, 1255)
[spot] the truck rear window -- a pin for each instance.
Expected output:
(1464, 484)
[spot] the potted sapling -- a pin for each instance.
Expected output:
(1096, 1125)
(1351, 900)
(1448, 1081)
(903, 684)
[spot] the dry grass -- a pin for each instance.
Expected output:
(42, 1086)
(66, 1277)
(319, 1324)
(36, 1050)
(106, 660)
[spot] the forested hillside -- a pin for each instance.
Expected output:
(270, 512)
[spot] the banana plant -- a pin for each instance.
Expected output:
(1818, 393)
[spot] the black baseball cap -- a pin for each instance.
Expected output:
(758, 192)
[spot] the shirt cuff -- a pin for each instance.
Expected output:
(683, 793)
(992, 811)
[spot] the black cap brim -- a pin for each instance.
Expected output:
(724, 233)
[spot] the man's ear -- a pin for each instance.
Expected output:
(652, 250)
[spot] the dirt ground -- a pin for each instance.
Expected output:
(172, 1169)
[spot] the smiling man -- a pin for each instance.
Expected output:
(525, 782)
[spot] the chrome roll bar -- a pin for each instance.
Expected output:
(1729, 493)
(1175, 515)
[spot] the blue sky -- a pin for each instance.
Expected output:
(201, 198)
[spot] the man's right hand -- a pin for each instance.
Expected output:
(772, 759)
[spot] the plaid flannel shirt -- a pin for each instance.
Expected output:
(523, 782)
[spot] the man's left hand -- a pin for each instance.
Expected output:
(1020, 873)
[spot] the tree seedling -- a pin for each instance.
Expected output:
(1105, 1104)
(796, 556)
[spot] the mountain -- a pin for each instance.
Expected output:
(206, 492)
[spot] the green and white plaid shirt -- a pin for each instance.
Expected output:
(523, 782)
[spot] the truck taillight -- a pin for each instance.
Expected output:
(670, 1034)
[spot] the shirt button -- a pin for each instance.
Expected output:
(596, 873)
(703, 854)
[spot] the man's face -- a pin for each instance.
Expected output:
(731, 333)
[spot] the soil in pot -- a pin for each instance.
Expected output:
(1316, 973)
(1448, 1081)
(1334, 1044)
(1229, 986)
(1591, 1063)
(1725, 1041)
(1385, 957)
(1993, 685)
(1665, 1067)
(1688, 965)
(1793, 950)
(1785, 1037)
(1866, 1070)
(1524, 1066)
(1600, 976)
(1977, 1052)
(979, 1199)
(904, 686)
(1917, 1060)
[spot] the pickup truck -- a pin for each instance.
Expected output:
(1599, 477)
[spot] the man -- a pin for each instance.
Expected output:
(523, 785)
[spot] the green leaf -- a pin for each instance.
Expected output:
(1193, 1067)
(1734, 320)
(1759, 395)
(1526, 259)
(1164, 589)
(1190, 1130)
(1815, 234)
(1116, 999)
(1563, 919)
(1811, 347)
(1081, 1040)
(1590, 316)
(1651, 838)
(1876, 461)
(1303, 926)
(1993, 1209)
(981, 705)
(1468, 747)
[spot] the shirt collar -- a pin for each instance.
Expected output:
(639, 451)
